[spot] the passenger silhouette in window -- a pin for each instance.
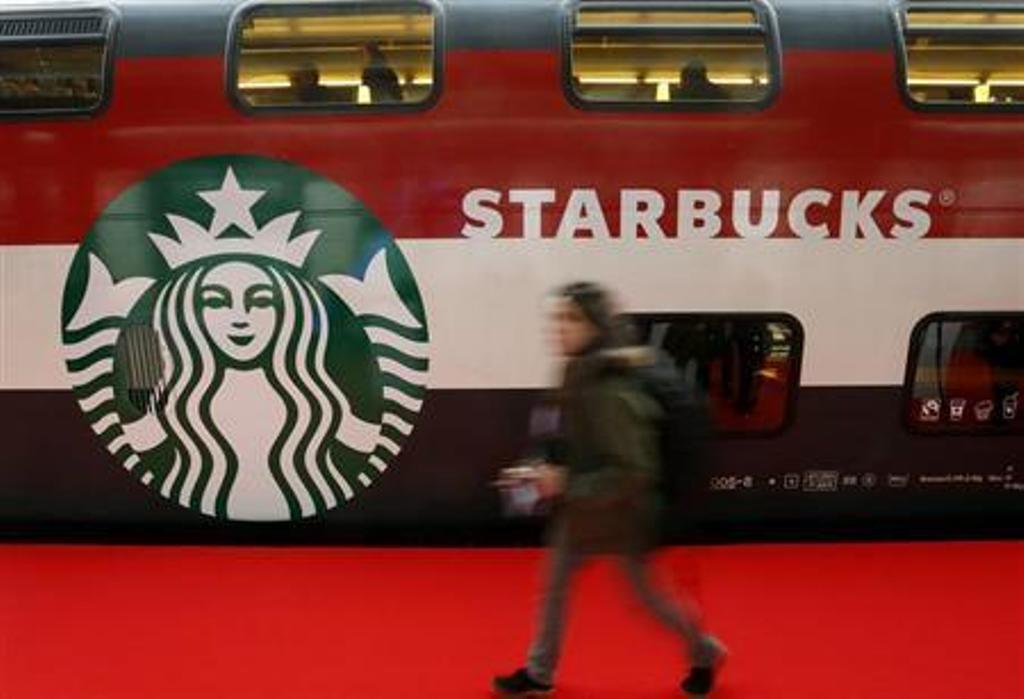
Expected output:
(730, 361)
(379, 76)
(9, 92)
(82, 90)
(694, 84)
(306, 87)
(747, 344)
(960, 94)
(695, 346)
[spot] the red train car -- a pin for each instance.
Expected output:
(288, 262)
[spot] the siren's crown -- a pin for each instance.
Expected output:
(232, 206)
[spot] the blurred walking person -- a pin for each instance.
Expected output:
(606, 484)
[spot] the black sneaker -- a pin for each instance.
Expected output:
(520, 684)
(701, 679)
(699, 682)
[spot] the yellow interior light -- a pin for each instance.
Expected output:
(1003, 19)
(610, 80)
(342, 27)
(962, 82)
(591, 17)
(265, 82)
(732, 80)
(338, 82)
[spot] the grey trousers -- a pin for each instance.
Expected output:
(563, 562)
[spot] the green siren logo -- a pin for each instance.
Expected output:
(245, 338)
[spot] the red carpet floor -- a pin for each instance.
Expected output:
(906, 621)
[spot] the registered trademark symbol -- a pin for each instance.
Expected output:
(947, 197)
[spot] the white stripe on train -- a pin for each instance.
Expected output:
(858, 300)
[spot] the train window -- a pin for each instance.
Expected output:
(53, 64)
(746, 365)
(331, 56)
(966, 373)
(671, 55)
(965, 55)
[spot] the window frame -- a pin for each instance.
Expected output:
(793, 387)
(285, 8)
(917, 334)
(898, 18)
(112, 20)
(761, 8)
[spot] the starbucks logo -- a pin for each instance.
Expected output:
(245, 338)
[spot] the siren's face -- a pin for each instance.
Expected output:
(239, 309)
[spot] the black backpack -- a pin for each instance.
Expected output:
(684, 432)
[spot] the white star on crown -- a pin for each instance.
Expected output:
(232, 205)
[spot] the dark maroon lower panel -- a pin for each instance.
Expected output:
(845, 465)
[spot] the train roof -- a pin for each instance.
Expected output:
(200, 27)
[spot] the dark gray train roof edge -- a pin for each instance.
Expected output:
(200, 27)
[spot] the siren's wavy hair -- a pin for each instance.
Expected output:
(205, 466)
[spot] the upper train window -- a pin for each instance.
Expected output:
(336, 56)
(965, 55)
(746, 365)
(966, 373)
(671, 55)
(54, 63)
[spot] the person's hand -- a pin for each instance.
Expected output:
(550, 480)
(515, 476)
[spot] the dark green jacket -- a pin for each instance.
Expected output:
(612, 452)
